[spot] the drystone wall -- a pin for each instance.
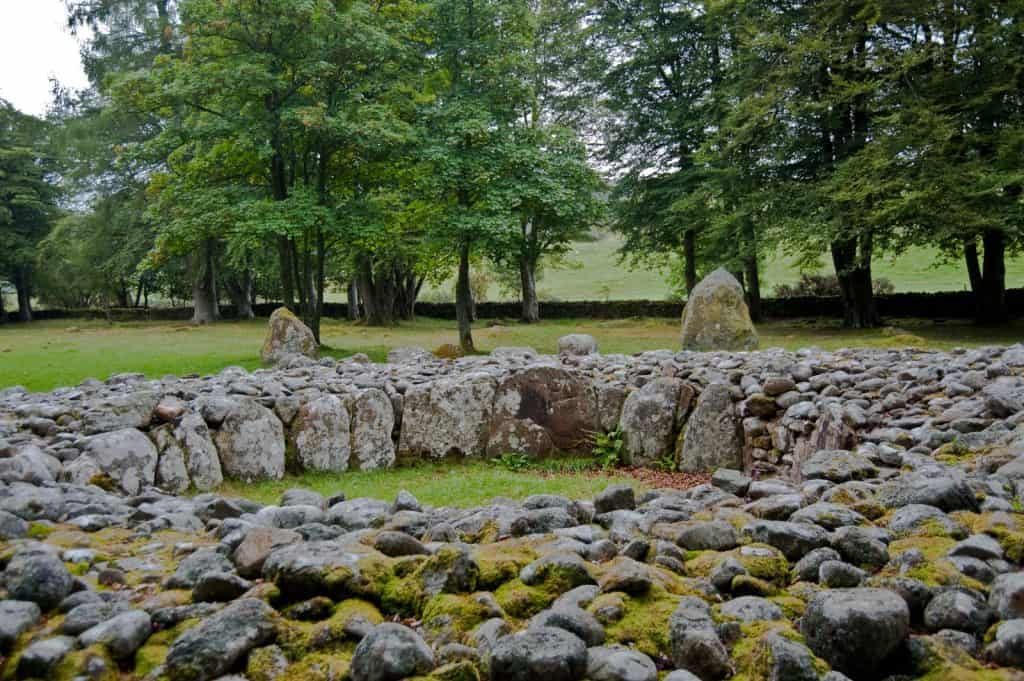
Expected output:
(764, 413)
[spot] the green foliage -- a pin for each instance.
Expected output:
(512, 461)
(609, 449)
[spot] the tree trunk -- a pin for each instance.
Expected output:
(973, 264)
(855, 285)
(992, 303)
(377, 292)
(528, 279)
(352, 296)
(690, 259)
(239, 288)
(753, 276)
(23, 288)
(204, 288)
(407, 288)
(464, 302)
(284, 259)
(753, 288)
(317, 280)
(123, 296)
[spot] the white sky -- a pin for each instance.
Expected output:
(36, 45)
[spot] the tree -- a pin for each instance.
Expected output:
(270, 105)
(553, 196)
(478, 55)
(657, 64)
(28, 200)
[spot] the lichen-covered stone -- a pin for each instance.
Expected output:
(716, 316)
(287, 335)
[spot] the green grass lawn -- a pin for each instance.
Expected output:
(596, 274)
(439, 484)
(45, 355)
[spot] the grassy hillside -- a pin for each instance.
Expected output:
(596, 274)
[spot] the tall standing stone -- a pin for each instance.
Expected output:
(287, 335)
(250, 442)
(713, 438)
(716, 316)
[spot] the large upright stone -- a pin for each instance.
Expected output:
(373, 421)
(716, 316)
(287, 335)
(250, 442)
(650, 418)
(541, 410)
(320, 433)
(126, 456)
(713, 437)
(449, 417)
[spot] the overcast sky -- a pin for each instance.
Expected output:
(36, 45)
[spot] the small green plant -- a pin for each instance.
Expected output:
(668, 463)
(512, 462)
(610, 449)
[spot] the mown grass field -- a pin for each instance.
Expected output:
(45, 355)
(596, 274)
(476, 483)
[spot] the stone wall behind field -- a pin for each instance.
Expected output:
(765, 413)
(946, 305)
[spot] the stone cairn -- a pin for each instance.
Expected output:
(862, 521)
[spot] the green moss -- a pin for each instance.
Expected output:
(456, 671)
(93, 658)
(772, 567)
(319, 667)
(40, 531)
(298, 639)
(748, 585)
(644, 621)
(453, 614)
(932, 547)
(264, 664)
(936, 661)
(522, 601)
(752, 657)
(792, 607)
(501, 562)
(154, 652)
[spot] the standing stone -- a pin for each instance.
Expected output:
(287, 335)
(541, 410)
(171, 474)
(251, 442)
(372, 425)
(125, 456)
(320, 433)
(716, 316)
(713, 437)
(201, 460)
(449, 417)
(649, 418)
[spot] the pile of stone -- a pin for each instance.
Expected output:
(762, 412)
(900, 566)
